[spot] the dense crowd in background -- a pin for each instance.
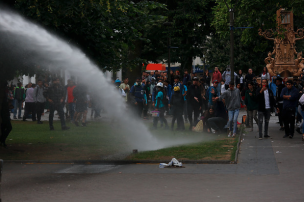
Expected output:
(209, 102)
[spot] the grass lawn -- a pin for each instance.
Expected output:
(101, 140)
(30, 141)
(220, 149)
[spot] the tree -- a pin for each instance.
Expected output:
(256, 14)
(105, 30)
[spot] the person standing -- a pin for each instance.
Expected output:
(216, 75)
(6, 126)
(194, 101)
(233, 102)
(249, 77)
(213, 93)
(290, 96)
(279, 101)
(266, 103)
(39, 100)
(186, 77)
(30, 107)
(159, 106)
(177, 104)
(139, 95)
(206, 77)
(240, 79)
(19, 96)
(125, 86)
(55, 96)
(251, 105)
(70, 99)
(265, 75)
(226, 76)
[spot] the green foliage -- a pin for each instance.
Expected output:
(190, 25)
(105, 30)
(250, 48)
(246, 56)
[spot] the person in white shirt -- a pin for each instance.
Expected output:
(266, 102)
(223, 89)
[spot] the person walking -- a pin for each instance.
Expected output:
(290, 96)
(233, 102)
(251, 105)
(55, 96)
(19, 96)
(177, 104)
(30, 107)
(266, 103)
(39, 100)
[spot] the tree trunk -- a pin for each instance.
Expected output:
(137, 70)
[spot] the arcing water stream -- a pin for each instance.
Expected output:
(48, 50)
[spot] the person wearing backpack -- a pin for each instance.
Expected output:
(176, 104)
(159, 106)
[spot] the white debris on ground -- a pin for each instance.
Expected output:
(173, 162)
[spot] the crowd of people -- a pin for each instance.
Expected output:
(214, 101)
(209, 102)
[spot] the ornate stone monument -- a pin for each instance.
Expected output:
(284, 63)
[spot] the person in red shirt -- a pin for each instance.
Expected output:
(217, 76)
(70, 98)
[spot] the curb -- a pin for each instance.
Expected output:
(114, 162)
(238, 148)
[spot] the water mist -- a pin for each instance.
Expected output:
(50, 51)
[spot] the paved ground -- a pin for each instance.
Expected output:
(268, 170)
